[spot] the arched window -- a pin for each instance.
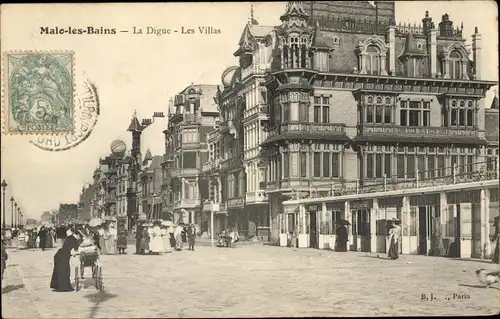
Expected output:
(455, 64)
(372, 57)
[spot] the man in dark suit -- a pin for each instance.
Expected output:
(191, 234)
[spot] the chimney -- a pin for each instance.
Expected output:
(476, 53)
(391, 38)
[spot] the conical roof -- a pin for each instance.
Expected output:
(134, 125)
(412, 48)
(148, 156)
(318, 41)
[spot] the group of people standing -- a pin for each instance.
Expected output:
(161, 237)
(110, 238)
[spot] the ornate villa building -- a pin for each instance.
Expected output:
(192, 114)
(340, 97)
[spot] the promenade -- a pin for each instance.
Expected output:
(251, 280)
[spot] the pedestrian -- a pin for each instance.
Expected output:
(191, 233)
(341, 238)
(60, 235)
(144, 240)
(138, 238)
(178, 237)
(394, 235)
(61, 273)
(108, 250)
(156, 245)
(42, 235)
(121, 240)
(5, 256)
(102, 242)
(113, 234)
(165, 237)
(49, 241)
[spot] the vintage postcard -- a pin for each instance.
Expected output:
(250, 159)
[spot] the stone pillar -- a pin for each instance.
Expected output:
(464, 69)
(391, 34)
(374, 216)
(443, 212)
(383, 70)
(362, 61)
(446, 74)
(476, 53)
(433, 52)
(405, 226)
(487, 247)
(348, 217)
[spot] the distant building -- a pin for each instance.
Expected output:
(150, 179)
(84, 204)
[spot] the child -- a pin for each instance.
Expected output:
(5, 257)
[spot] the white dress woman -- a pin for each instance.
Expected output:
(178, 237)
(156, 245)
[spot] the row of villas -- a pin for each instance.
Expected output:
(336, 97)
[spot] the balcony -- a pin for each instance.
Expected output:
(260, 109)
(252, 69)
(306, 128)
(187, 203)
(210, 165)
(235, 202)
(256, 197)
(184, 172)
(432, 134)
(110, 199)
(191, 119)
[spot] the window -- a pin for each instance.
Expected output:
(415, 113)
(461, 114)
(321, 109)
(303, 112)
(326, 161)
(303, 164)
(372, 62)
(455, 64)
(286, 165)
(378, 163)
(378, 111)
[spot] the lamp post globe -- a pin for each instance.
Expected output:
(4, 186)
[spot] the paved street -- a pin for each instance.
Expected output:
(250, 281)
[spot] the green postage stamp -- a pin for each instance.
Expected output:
(38, 92)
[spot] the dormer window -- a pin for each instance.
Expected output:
(456, 65)
(372, 60)
(336, 40)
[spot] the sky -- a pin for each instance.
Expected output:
(141, 72)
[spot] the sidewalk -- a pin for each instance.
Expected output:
(16, 299)
(203, 241)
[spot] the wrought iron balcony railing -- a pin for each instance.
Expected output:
(467, 173)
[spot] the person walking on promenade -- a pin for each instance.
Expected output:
(42, 235)
(113, 234)
(165, 237)
(102, 241)
(121, 242)
(191, 233)
(394, 235)
(138, 238)
(156, 245)
(62, 271)
(178, 237)
(144, 240)
(341, 239)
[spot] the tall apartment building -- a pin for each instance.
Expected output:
(340, 95)
(192, 114)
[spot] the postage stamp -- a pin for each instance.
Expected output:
(86, 116)
(38, 92)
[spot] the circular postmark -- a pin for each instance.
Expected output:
(86, 115)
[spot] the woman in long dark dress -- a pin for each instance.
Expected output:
(394, 235)
(62, 270)
(341, 239)
(496, 241)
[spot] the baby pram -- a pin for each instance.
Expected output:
(89, 257)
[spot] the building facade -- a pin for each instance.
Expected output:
(150, 178)
(341, 97)
(192, 115)
(362, 103)
(85, 201)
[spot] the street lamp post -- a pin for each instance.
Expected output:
(4, 186)
(21, 215)
(12, 211)
(16, 209)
